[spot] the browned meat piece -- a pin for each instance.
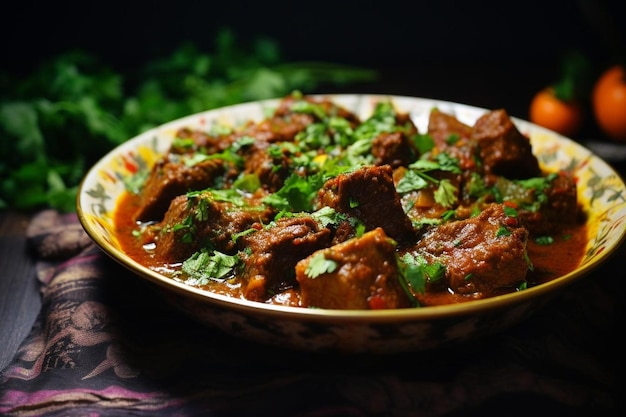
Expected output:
(279, 129)
(561, 208)
(329, 108)
(200, 141)
(406, 123)
(446, 129)
(503, 149)
(272, 253)
(192, 223)
(271, 171)
(343, 231)
(170, 179)
(369, 195)
(365, 275)
(562, 203)
(392, 149)
(454, 138)
(482, 254)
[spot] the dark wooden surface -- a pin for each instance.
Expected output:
(19, 292)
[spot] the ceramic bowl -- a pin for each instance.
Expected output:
(601, 191)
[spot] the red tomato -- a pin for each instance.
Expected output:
(547, 110)
(609, 102)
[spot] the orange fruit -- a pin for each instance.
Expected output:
(547, 110)
(609, 102)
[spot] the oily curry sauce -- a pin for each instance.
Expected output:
(551, 261)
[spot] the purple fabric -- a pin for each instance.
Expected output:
(106, 344)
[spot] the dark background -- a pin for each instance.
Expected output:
(478, 47)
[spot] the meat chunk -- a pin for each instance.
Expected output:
(562, 201)
(392, 149)
(481, 255)
(270, 170)
(369, 195)
(503, 149)
(272, 253)
(446, 129)
(363, 276)
(545, 204)
(559, 207)
(195, 140)
(294, 104)
(193, 223)
(171, 178)
(393, 146)
(279, 128)
(454, 138)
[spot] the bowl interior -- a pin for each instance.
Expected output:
(601, 191)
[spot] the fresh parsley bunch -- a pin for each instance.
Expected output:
(61, 119)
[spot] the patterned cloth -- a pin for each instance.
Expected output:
(106, 344)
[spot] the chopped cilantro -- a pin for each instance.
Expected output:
(303, 106)
(528, 194)
(203, 266)
(134, 183)
(327, 216)
(510, 211)
(318, 265)
(416, 272)
(314, 136)
(446, 193)
(423, 143)
(187, 226)
(247, 182)
(448, 215)
(452, 139)
(503, 231)
(476, 186)
(183, 143)
(531, 267)
(202, 210)
(382, 120)
(544, 240)
(296, 194)
(412, 181)
(418, 178)
(246, 232)
(242, 142)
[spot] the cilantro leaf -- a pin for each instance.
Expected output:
(318, 265)
(204, 266)
(446, 193)
(296, 194)
(416, 272)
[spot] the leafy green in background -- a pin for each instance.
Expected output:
(60, 120)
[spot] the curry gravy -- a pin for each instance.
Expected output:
(551, 261)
